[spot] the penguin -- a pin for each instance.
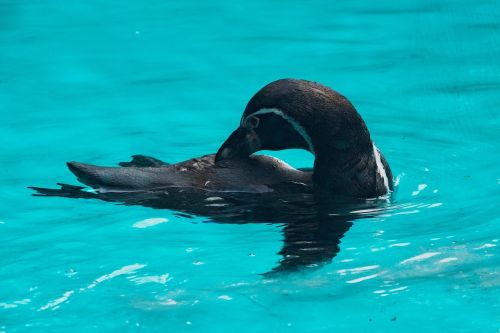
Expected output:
(315, 208)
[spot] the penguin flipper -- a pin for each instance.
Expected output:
(143, 161)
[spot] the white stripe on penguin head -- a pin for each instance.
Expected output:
(296, 126)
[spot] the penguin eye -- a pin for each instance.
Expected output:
(252, 122)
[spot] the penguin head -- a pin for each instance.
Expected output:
(266, 129)
(301, 114)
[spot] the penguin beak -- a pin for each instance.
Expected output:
(241, 143)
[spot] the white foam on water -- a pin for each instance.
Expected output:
(122, 271)
(446, 260)
(357, 270)
(225, 297)
(53, 304)
(420, 188)
(399, 244)
(161, 279)
(420, 257)
(149, 222)
(213, 199)
(364, 278)
(485, 246)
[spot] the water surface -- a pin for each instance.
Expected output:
(98, 82)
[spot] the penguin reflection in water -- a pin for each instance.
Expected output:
(314, 207)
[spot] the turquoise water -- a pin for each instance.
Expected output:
(99, 81)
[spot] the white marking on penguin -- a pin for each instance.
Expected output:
(380, 167)
(301, 130)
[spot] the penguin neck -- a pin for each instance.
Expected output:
(346, 168)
